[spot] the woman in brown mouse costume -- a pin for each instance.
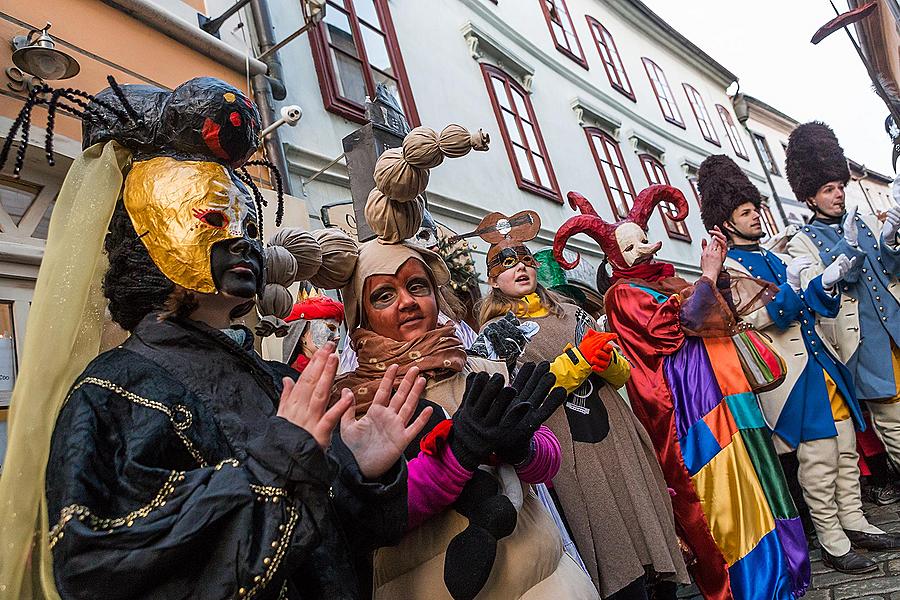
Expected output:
(475, 528)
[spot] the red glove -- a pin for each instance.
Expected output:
(597, 348)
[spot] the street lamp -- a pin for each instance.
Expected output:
(40, 58)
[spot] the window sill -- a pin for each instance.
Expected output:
(680, 237)
(579, 60)
(676, 123)
(543, 192)
(624, 92)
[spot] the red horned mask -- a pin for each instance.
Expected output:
(624, 243)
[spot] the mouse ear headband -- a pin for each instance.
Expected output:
(507, 237)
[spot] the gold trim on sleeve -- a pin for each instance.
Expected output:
(180, 416)
(83, 513)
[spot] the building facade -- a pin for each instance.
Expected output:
(603, 98)
(599, 97)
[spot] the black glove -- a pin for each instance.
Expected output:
(477, 423)
(533, 404)
(505, 337)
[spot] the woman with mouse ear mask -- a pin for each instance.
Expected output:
(609, 489)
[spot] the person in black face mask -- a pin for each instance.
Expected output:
(182, 463)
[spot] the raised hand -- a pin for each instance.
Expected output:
(305, 403)
(837, 270)
(797, 266)
(598, 348)
(851, 231)
(378, 439)
(476, 424)
(534, 403)
(713, 254)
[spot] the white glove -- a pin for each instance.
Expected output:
(891, 225)
(836, 271)
(795, 268)
(851, 231)
(791, 230)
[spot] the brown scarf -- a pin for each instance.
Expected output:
(438, 353)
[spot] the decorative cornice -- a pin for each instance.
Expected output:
(641, 145)
(588, 114)
(638, 14)
(485, 47)
(690, 169)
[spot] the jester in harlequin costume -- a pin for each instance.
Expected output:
(180, 463)
(867, 329)
(314, 321)
(687, 387)
(815, 410)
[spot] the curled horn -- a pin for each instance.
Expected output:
(580, 203)
(588, 223)
(650, 198)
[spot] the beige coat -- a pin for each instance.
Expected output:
(842, 331)
(530, 563)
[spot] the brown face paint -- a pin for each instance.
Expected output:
(384, 296)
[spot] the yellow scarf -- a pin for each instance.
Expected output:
(530, 306)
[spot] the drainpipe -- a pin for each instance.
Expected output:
(269, 86)
(742, 111)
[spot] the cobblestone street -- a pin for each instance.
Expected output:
(827, 584)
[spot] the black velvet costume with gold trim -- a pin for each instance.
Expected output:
(171, 477)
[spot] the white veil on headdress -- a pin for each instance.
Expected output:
(64, 327)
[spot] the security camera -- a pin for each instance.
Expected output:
(291, 114)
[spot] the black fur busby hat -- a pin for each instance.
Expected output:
(723, 187)
(814, 157)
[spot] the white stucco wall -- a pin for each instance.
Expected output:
(448, 86)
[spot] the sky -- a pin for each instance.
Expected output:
(766, 44)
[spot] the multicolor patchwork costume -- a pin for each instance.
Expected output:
(732, 506)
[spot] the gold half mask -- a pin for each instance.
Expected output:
(181, 208)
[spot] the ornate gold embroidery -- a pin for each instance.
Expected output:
(265, 492)
(272, 563)
(180, 416)
(83, 513)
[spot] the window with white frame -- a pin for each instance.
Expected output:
(766, 153)
(613, 172)
(656, 175)
(562, 29)
(663, 92)
(704, 122)
(731, 130)
(521, 133)
(612, 60)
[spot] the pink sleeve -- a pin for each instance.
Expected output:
(434, 484)
(544, 464)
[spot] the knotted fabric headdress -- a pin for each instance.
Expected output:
(394, 208)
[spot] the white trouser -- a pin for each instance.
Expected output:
(829, 476)
(886, 418)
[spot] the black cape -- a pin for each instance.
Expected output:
(171, 477)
